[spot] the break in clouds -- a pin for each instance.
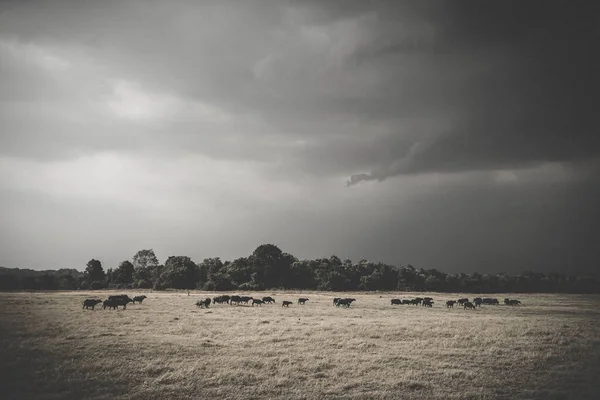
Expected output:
(452, 135)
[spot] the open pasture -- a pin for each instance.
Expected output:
(50, 348)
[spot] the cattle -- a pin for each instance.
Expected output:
(405, 301)
(450, 303)
(396, 302)
(258, 302)
(121, 300)
(418, 300)
(468, 304)
(110, 303)
(506, 301)
(139, 299)
(204, 303)
(245, 299)
(235, 300)
(427, 303)
(514, 302)
(335, 300)
(268, 300)
(91, 303)
(427, 299)
(462, 301)
(221, 299)
(286, 303)
(477, 301)
(415, 302)
(302, 300)
(494, 302)
(345, 302)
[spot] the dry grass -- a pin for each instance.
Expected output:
(167, 348)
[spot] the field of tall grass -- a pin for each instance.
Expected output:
(50, 348)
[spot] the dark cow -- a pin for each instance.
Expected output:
(268, 300)
(335, 300)
(514, 302)
(494, 302)
(406, 301)
(468, 304)
(450, 303)
(427, 298)
(235, 300)
(110, 303)
(396, 302)
(245, 299)
(286, 303)
(418, 300)
(91, 303)
(415, 302)
(139, 299)
(506, 301)
(221, 299)
(302, 300)
(462, 301)
(345, 302)
(477, 301)
(204, 303)
(121, 300)
(258, 302)
(427, 303)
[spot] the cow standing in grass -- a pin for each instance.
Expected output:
(120, 300)
(268, 300)
(203, 303)
(427, 303)
(286, 303)
(302, 300)
(139, 299)
(258, 302)
(468, 305)
(450, 303)
(90, 303)
(396, 302)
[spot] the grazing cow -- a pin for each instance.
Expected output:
(268, 300)
(427, 299)
(91, 303)
(286, 303)
(406, 301)
(462, 301)
(418, 300)
(203, 303)
(427, 303)
(221, 299)
(414, 302)
(477, 301)
(121, 300)
(345, 302)
(514, 302)
(302, 300)
(450, 303)
(139, 299)
(468, 304)
(258, 302)
(245, 299)
(396, 302)
(110, 303)
(495, 302)
(235, 300)
(335, 300)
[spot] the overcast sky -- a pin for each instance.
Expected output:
(459, 135)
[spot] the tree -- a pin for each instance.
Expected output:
(180, 272)
(146, 268)
(123, 275)
(94, 271)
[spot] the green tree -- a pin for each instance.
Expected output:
(94, 271)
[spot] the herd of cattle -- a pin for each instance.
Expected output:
(464, 302)
(113, 302)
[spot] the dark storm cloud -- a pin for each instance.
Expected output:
(257, 112)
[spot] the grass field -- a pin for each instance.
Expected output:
(50, 348)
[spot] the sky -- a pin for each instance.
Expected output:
(461, 136)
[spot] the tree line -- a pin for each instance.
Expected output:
(270, 268)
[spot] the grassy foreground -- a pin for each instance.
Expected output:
(50, 348)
